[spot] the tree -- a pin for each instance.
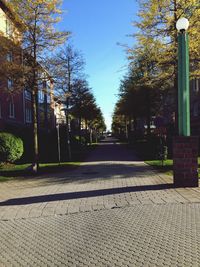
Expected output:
(139, 94)
(84, 107)
(98, 124)
(93, 117)
(11, 147)
(157, 31)
(38, 38)
(66, 67)
(80, 92)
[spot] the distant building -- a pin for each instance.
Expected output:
(59, 111)
(168, 113)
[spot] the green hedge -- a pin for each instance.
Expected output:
(11, 147)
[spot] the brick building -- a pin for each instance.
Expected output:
(16, 106)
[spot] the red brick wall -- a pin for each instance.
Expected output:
(17, 99)
(185, 156)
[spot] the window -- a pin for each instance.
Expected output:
(27, 94)
(48, 88)
(196, 109)
(196, 85)
(40, 96)
(10, 57)
(9, 27)
(48, 98)
(44, 85)
(10, 84)
(11, 110)
(28, 115)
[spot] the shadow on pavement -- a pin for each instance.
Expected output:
(107, 151)
(83, 194)
(96, 171)
(110, 149)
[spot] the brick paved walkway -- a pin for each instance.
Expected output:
(112, 211)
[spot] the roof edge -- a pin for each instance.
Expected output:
(9, 12)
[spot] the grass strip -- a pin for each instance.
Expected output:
(11, 171)
(167, 166)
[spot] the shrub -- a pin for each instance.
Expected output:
(11, 147)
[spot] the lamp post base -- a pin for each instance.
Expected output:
(185, 157)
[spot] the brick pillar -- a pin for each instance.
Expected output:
(185, 156)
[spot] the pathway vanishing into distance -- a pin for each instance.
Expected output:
(114, 210)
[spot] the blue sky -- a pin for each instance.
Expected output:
(97, 26)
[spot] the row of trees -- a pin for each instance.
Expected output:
(33, 40)
(150, 86)
(71, 88)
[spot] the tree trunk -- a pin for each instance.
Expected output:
(69, 156)
(45, 112)
(126, 128)
(68, 134)
(86, 125)
(91, 136)
(134, 124)
(79, 130)
(35, 163)
(148, 112)
(96, 136)
(86, 132)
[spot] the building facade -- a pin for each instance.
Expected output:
(16, 105)
(195, 106)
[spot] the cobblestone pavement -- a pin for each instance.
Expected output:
(112, 211)
(141, 235)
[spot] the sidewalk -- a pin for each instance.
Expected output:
(114, 210)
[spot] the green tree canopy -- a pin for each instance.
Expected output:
(38, 37)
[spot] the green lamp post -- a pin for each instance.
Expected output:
(185, 146)
(183, 78)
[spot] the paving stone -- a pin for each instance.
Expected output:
(105, 213)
